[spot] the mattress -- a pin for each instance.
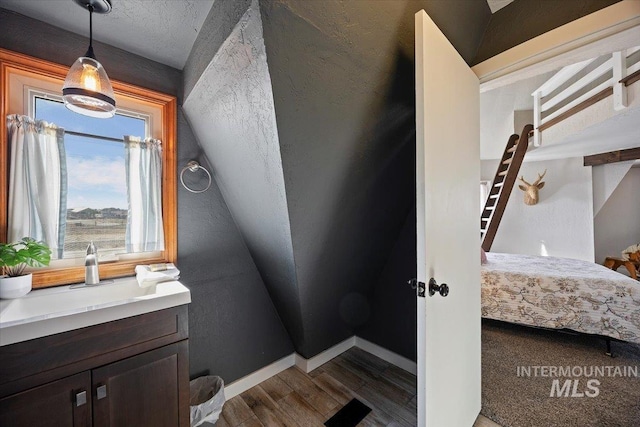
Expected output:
(561, 293)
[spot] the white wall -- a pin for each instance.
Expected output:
(606, 179)
(617, 225)
(562, 220)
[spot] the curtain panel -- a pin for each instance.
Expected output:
(143, 159)
(37, 182)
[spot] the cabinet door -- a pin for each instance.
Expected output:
(151, 389)
(62, 403)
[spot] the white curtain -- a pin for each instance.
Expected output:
(37, 182)
(143, 160)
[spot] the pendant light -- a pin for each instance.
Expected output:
(87, 89)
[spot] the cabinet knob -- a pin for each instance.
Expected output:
(101, 392)
(81, 398)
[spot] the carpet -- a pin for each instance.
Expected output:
(350, 415)
(522, 367)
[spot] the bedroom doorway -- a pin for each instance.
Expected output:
(443, 397)
(510, 398)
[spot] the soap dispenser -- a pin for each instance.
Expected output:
(91, 275)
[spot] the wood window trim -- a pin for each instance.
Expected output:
(168, 104)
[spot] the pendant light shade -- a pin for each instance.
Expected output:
(87, 89)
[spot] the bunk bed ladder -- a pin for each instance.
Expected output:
(502, 185)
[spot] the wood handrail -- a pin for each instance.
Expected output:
(584, 104)
(627, 81)
(545, 99)
(631, 78)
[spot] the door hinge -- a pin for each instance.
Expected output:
(419, 286)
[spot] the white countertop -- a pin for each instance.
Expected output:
(50, 311)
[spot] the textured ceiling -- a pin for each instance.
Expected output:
(496, 5)
(161, 30)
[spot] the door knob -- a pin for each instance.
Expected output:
(443, 289)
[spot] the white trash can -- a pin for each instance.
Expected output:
(206, 400)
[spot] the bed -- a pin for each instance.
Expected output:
(561, 293)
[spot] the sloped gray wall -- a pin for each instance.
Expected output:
(234, 328)
(231, 111)
(313, 145)
(343, 84)
(226, 15)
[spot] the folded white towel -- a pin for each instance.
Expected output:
(146, 277)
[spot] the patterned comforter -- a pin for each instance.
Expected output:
(561, 293)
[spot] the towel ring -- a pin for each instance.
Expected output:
(193, 166)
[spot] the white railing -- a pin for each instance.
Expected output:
(620, 65)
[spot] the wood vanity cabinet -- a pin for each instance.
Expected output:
(128, 372)
(49, 404)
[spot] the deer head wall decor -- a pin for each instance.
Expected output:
(531, 190)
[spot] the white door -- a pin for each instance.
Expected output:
(448, 176)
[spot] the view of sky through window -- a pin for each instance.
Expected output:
(97, 205)
(95, 167)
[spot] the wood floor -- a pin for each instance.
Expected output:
(296, 399)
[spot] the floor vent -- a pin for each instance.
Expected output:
(350, 415)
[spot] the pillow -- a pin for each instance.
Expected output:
(483, 256)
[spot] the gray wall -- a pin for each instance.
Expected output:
(226, 15)
(343, 84)
(231, 111)
(393, 322)
(342, 103)
(234, 328)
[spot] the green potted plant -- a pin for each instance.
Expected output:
(14, 259)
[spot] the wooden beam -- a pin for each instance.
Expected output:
(612, 157)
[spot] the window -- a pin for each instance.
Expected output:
(97, 203)
(96, 199)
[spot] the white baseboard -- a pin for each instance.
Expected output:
(308, 365)
(255, 378)
(387, 355)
